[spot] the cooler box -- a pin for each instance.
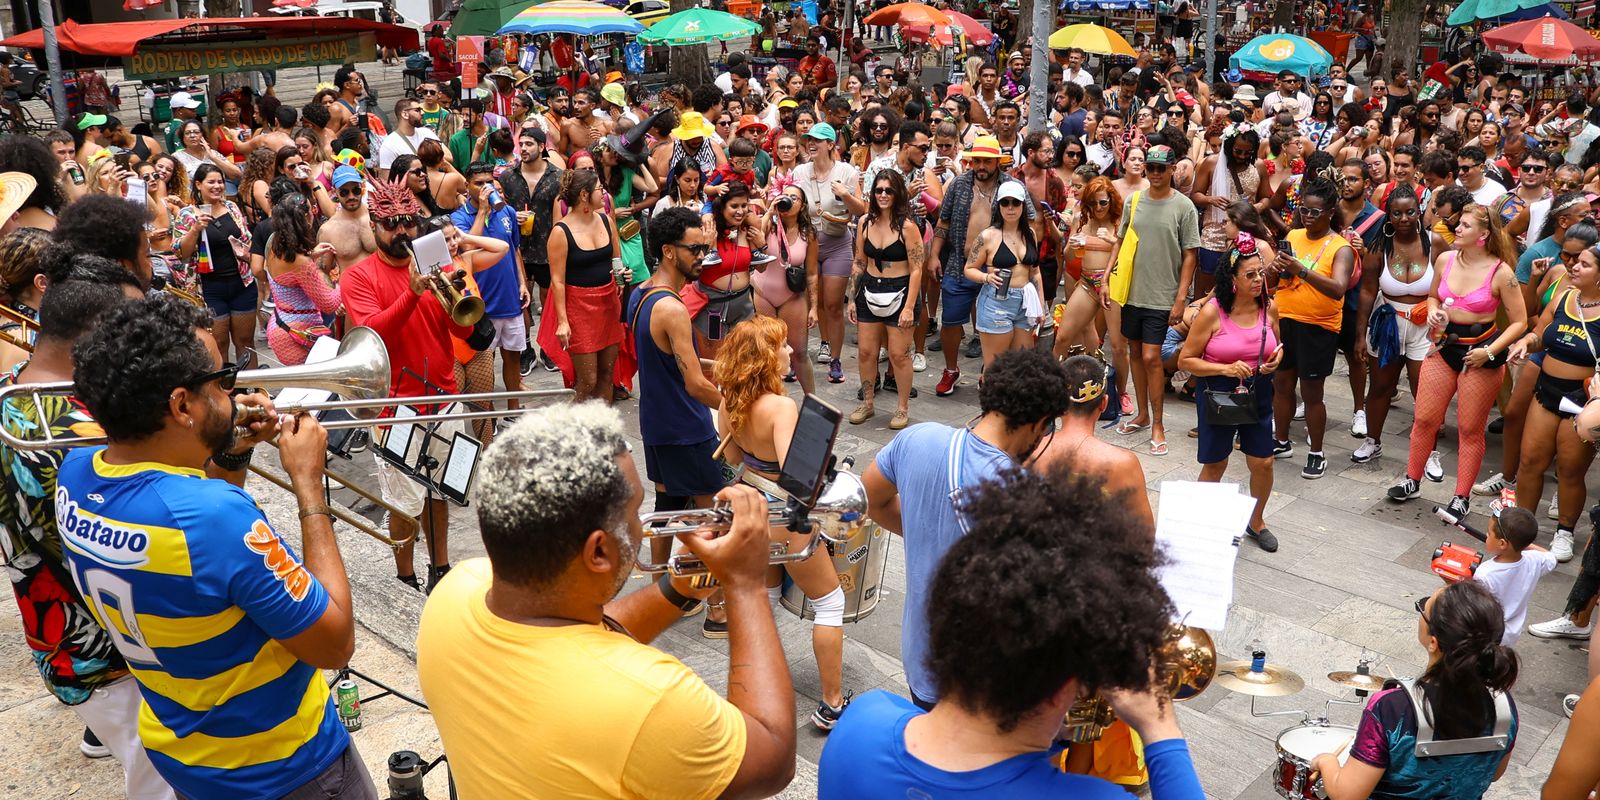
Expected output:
(1336, 43)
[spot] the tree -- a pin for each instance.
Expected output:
(1400, 33)
(688, 64)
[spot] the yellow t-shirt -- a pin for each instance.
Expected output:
(1299, 300)
(569, 711)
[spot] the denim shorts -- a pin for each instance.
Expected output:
(1172, 344)
(1001, 316)
(956, 296)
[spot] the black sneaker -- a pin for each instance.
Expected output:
(827, 716)
(1458, 506)
(861, 391)
(549, 365)
(892, 385)
(1283, 449)
(527, 361)
(1405, 490)
(1497, 426)
(935, 344)
(410, 580)
(92, 748)
(1263, 538)
(1315, 467)
(974, 348)
(712, 629)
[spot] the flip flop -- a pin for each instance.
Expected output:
(1130, 428)
(1158, 448)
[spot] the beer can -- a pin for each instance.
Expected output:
(349, 701)
(620, 272)
(76, 174)
(1003, 291)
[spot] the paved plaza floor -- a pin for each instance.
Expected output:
(1342, 585)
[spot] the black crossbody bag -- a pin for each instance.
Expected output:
(1238, 406)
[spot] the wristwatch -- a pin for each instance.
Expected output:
(672, 595)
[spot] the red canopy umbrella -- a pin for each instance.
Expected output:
(969, 27)
(293, 3)
(1546, 39)
(974, 29)
(907, 15)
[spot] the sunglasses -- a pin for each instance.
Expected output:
(1533, 169)
(1312, 213)
(426, 92)
(882, 190)
(923, 147)
(1156, 169)
(1102, 202)
(883, 126)
(417, 171)
(399, 221)
(227, 377)
(1569, 258)
(696, 250)
(1564, 186)
(1468, 166)
(1422, 607)
(1010, 202)
(350, 191)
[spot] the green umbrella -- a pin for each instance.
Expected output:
(484, 17)
(1471, 11)
(698, 26)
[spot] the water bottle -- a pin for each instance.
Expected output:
(1003, 291)
(1258, 656)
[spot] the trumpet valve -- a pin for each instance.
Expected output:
(244, 416)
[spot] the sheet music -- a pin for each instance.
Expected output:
(325, 348)
(137, 192)
(1196, 526)
(432, 254)
(459, 466)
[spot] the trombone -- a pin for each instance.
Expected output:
(22, 339)
(359, 372)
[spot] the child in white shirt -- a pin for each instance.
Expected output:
(1516, 567)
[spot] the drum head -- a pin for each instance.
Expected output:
(1306, 742)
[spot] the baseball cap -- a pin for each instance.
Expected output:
(87, 121)
(822, 131)
(343, 174)
(788, 104)
(1160, 154)
(536, 132)
(1011, 190)
(183, 100)
(614, 94)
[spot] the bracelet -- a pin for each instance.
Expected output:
(233, 462)
(672, 595)
(315, 510)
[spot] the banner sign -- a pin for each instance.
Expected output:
(174, 60)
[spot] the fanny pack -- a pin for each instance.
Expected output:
(627, 226)
(1461, 338)
(881, 303)
(732, 307)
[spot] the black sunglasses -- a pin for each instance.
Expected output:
(227, 377)
(350, 191)
(1155, 168)
(1422, 607)
(1010, 202)
(697, 250)
(399, 221)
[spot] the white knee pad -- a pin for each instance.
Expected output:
(829, 608)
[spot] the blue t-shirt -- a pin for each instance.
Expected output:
(199, 593)
(499, 284)
(1547, 247)
(866, 757)
(918, 463)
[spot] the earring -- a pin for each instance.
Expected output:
(1483, 240)
(1388, 229)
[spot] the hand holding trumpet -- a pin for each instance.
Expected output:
(737, 558)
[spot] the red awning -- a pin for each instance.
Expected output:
(121, 39)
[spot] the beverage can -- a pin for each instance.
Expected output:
(1003, 291)
(348, 698)
(620, 272)
(76, 174)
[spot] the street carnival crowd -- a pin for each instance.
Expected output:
(1158, 238)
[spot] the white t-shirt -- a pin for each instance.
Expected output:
(1512, 584)
(1271, 101)
(1537, 211)
(1490, 191)
(395, 145)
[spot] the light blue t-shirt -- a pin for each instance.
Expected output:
(866, 757)
(919, 464)
(1547, 247)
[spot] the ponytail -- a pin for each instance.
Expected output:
(1468, 623)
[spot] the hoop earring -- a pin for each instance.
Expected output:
(1388, 229)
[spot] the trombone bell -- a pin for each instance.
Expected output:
(360, 371)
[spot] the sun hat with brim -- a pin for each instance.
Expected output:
(749, 121)
(1247, 93)
(15, 189)
(984, 147)
(87, 121)
(692, 125)
(823, 132)
(503, 72)
(614, 94)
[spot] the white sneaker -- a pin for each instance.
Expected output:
(1367, 451)
(1569, 704)
(919, 362)
(1358, 425)
(824, 354)
(1561, 545)
(1434, 471)
(1492, 485)
(883, 354)
(1553, 511)
(1299, 411)
(1559, 628)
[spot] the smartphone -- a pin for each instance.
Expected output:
(714, 323)
(1282, 246)
(805, 466)
(122, 158)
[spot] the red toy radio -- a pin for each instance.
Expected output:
(1455, 562)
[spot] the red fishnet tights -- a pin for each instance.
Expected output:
(1475, 391)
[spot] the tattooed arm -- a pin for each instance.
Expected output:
(914, 259)
(978, 257)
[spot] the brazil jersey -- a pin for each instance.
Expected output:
(198, 592)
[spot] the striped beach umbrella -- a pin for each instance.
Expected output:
(580, 17)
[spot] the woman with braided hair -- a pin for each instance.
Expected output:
(1465, 692)
(299, 273)
(21, 288)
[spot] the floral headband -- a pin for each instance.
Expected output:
(1244, 244)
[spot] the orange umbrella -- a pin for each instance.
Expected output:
(908, 14)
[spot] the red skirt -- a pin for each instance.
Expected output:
(595, 316)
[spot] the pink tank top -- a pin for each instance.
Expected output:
(1233, 343)
(1478, 301)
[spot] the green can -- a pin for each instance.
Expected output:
(349, 700)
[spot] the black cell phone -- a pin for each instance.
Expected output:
(1282, 246)
(714, 324)
(810, 451)
(122, 158)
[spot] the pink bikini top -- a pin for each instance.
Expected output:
(1478, 301)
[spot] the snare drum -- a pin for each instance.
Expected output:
(1297, 746)
(860, 562)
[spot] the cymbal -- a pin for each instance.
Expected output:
(1357, 680)
(1273, 681)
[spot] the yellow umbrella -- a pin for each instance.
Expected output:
(1092, 39)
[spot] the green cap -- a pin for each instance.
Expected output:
(823, 131)
(87, 121)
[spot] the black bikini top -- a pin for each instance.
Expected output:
(1004, 258)
(894, 252)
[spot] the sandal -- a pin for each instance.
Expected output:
(1158, 448)
(863, 412)
(1131, 428)
(900, 420)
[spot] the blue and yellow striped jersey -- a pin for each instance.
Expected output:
(198, 593)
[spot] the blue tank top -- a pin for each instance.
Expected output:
(668, 415)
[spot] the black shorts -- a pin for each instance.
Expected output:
(1548, 393)
(538, 273)
(1146, 325)
(228, 297)
(1347, 330)
(685, 470)
(1308, 350)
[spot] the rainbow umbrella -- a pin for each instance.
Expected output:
(1091, 39)
(580, 17)
(1275, 52)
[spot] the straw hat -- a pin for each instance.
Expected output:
(984, 147)
(15, 187)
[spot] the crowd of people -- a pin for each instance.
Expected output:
(1221, 244)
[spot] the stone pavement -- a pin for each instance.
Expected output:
(1350, 566)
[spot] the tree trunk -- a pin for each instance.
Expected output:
(1400, 32)
(688, 64)
(1024, 21)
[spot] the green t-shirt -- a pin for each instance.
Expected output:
(763, 167)
(461, 144)
(1166, 229)
(434, 119)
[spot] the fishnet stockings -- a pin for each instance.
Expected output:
(1475, 391)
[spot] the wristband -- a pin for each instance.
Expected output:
(233, 462)
(314, 511)
(672, 595)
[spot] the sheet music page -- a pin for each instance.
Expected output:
(325, 348)
(432, 254)
(1197, 525)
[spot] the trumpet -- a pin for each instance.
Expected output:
(463, 308)
(29, 326)
(1188, 663)
(838, 514)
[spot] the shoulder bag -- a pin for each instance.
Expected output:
(1239, 405)
(1122, 272)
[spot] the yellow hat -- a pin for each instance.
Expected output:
(15, 189)
(693, 125)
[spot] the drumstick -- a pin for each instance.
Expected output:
(716, 455)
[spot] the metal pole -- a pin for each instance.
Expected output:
(1211, 39)
(1039, 73)
(846, 23)
(52, 57)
